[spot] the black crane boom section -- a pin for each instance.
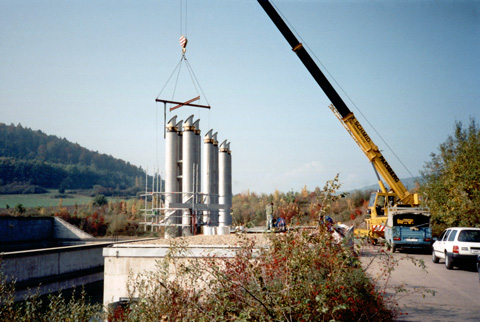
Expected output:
(306, 59)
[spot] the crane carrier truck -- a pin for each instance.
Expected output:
(394, 214)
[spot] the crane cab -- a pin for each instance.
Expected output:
(379, 203)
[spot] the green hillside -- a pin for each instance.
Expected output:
(32, 161)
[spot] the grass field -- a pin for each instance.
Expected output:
(42, 200)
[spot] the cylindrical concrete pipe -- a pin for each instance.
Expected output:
(228, 185)
(198, 162)
(222, 185)
(171, 182)
(187, 175)
(207, 174)
(178, 197)
(214, 213)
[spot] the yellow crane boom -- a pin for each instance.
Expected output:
(381, 201)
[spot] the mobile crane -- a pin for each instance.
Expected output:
(383, 202)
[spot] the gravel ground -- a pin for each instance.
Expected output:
(226, 240)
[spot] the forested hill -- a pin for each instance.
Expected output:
(33, 158)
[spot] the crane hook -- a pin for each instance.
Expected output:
(183, 43)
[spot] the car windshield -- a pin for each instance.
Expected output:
(371, 202)
(469, 236)
(411, 220)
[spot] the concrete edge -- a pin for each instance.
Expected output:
(95, 244)
(65, 230)
(160, 251)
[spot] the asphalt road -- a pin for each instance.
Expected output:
(457, 292)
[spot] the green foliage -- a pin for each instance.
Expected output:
(20, 188)
(100, 200)
(56, 308)
(451, 180)
(120, 225)
(19, 209)
(302, 207)
(302, 275)
(351, 205)
(248, 209)
(35, 158)
(113, 218)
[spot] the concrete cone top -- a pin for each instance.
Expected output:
(209, 134)
(188, 124)
(179, 124)
(196, 126)
(223, 146)
(171, 125)
(208, 137)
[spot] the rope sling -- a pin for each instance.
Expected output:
(183, 60)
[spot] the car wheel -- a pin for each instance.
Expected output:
(448, 262)
(435, 259)
(392, 249)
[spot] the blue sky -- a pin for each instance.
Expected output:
(89, 71)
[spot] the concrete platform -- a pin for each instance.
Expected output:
(126, 260)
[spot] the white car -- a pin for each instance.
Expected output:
(457, 245)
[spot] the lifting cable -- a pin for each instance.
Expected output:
(181, 18)
(183, 43)
(192, 75)
(341, 88)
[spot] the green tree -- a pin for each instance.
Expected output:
(248, 208)
(19, 209)
(100, 200)
(452, 180)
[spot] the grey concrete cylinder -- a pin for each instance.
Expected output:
(222, 183)
(214, 213)
(228, 184)
(207, 175)
(171, 182)
(178, 197)
(188, 163)
(198, 162)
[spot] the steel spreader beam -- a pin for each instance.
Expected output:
(180, 104)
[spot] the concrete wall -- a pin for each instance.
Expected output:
(123, 261)
(55, 268)
(25, 229)
(31, 229)
(25, 265)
